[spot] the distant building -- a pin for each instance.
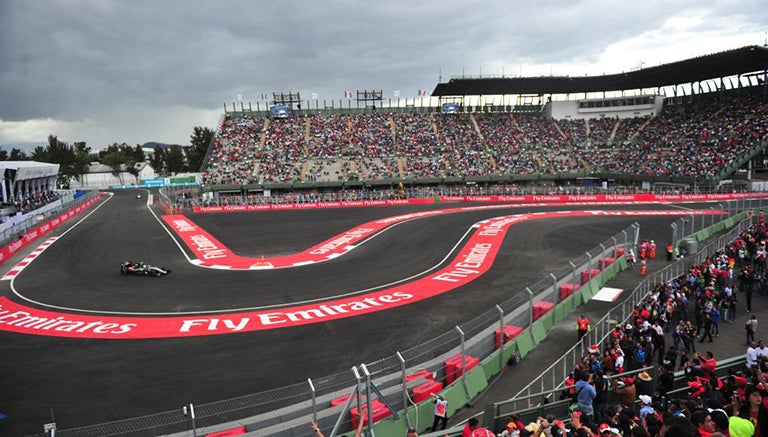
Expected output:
(100, 176)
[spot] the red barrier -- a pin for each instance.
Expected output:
(453, 370)
(422, 392)
(586, 275)
(566, 290)
(605, 262)
(228, 432)
(619, 252)
(540, 308)
(380, 411)
(32, 235)
(418, 375)
(341, 400)
(510, 332)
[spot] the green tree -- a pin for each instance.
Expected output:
(115, 160)
(40, 154)
(17, 155)
(3, 155)
(174, 159)
(201, 138)
(158, 159)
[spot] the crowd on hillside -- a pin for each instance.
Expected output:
(693, 139)
(613, 395)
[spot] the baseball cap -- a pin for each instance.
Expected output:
(645, 399)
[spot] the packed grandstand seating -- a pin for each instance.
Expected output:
(687, 139)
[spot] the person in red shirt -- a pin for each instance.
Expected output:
(583, 326)
(708, 363)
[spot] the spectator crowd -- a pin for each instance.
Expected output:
(612, 391)
(694, 139)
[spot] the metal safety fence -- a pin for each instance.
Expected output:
(284, 411)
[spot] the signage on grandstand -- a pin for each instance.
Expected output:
(280, 111)
(449, 108)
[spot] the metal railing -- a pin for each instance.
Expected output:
(11, 230)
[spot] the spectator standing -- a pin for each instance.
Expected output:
(751, 328)
(583, 326)
(644, 384)
(585, 395)
(751, 355)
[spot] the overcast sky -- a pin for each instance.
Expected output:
(104, 71)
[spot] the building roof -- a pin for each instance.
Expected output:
(97, 167)
(749, 59)
(30, 169)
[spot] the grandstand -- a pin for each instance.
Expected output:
(642, 135)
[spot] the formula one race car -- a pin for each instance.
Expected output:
(141, 269)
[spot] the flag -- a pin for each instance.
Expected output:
(264, 96)
(239, 97)
(348, 94)
(314, 96)
(397, 93)
(423, 93)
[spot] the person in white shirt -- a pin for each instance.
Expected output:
(762, 350)
(751, 355)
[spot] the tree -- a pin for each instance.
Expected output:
(3, 155)
(17, 155)
(201, 138)
(174, 159)
(158, 159)
(115, 160)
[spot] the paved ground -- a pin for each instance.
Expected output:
(82, 382)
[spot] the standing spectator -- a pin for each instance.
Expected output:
(754, 410)
(644, 384)
(627, 392)
(714, 316)
(585, 395)
(645, 406)
(751, 328)
(583, 326)
(707, 330)
(751, 355)
(470, 425)
(441, 411)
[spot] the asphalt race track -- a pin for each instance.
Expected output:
(88, 381)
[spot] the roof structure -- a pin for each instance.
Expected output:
(735, 62)
(26, 170)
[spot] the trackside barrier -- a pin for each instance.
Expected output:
(36, 229)
(285, 411)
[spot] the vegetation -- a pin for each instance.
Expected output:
(75, 159)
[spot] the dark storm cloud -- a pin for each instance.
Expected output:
(76, 60)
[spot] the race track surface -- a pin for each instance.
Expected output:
(88, 381)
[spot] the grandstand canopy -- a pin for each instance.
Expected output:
(719, 65)
(26, 170)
